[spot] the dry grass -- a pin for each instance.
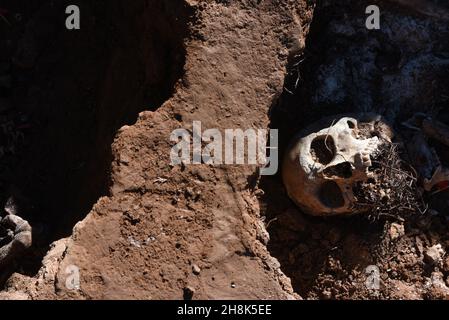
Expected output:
(394, 192)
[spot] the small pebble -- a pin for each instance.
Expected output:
(396, 231)
(196, 270)
(434, 254)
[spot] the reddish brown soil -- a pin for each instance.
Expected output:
(235, 60)
(158, 231)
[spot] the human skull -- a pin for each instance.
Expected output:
(324, 163)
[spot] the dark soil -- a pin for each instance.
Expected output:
(64, 94)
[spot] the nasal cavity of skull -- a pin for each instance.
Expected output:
(322, 149)
(330, 195)
(342, 170)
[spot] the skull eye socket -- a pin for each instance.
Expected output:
(351, 124)
(323, 149)
(330, 195)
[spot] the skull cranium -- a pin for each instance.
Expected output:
(324, 163)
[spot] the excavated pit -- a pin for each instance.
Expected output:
(71, 91)
(396, 71)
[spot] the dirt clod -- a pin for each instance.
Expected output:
(396, 231)
(434, 254)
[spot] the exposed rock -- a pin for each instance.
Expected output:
(15, 295)
(20, 239)
(396, 231)
(433, 255)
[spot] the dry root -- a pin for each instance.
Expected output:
(393, 192)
